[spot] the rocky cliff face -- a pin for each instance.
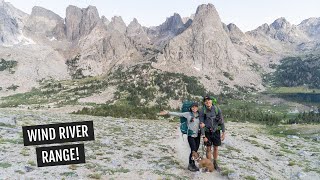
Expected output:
(12, 21)
(117, 24)
(257, 57)
(278, 38)
(205, 50)
(80, 22)
(103, 48)
(172, 27)
(311, 27)
(44, 23)
(136, 32)
(105, 21)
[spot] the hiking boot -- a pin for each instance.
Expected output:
(193, 167)
(216, 167)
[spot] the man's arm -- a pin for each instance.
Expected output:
(201, 117)
(221, 121)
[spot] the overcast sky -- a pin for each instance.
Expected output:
(246, 14)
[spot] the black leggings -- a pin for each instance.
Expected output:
(194, 143)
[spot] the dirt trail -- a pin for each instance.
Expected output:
(182, 150)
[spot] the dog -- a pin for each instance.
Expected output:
(203, 162)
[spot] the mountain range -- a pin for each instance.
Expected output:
(44, 45)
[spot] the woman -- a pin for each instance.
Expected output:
(193, 124)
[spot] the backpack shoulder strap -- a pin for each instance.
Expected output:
(216, 109)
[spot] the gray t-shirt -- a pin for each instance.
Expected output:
(193, 125)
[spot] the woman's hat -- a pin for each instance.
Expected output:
(194, 104)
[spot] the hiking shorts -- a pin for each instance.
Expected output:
(214, 138)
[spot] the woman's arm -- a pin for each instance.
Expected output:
(184, 114)
(163, 113)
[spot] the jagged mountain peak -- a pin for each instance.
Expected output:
(310, 21)
(88, 10)
(117, 19)
(186, 19)
(12, 22)
(40, 11)
(79, 21)
(105, 20)
(91, 11)
(207, 17)
(6, 8)
(207, 9)
(44, 24)
(281, 23)
(117, 24)
(311, 27)
(172, 23)
(235, 34)
(72, 8)
(233, 27)
(135, 26)
(134, 22)
(204, 48)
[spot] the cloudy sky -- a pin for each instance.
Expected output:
(246, 14)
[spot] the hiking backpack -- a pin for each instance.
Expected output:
(183, 121)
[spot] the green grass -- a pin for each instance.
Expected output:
(166, 162)
(250, 178)
(95, 176)
(225, 171)
(287, 151)
(65, 92)
(127, 142)
(292, 163)
(12, 141)
(25, 151)
(308, 169)
(32, 163)
(19, 171)
(282, 131)
(302, 131)
(230, 148)
(73, 167)
(135, 155)
(166, 175)
(292, 90)
(254, 142)
(253, 136)
(255, 158)
(117, 170)
(5, 165)
(68, 174)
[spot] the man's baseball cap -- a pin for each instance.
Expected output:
(207, 97)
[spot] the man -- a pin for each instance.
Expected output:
(211, 122)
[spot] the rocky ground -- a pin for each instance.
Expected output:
(148, 149)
